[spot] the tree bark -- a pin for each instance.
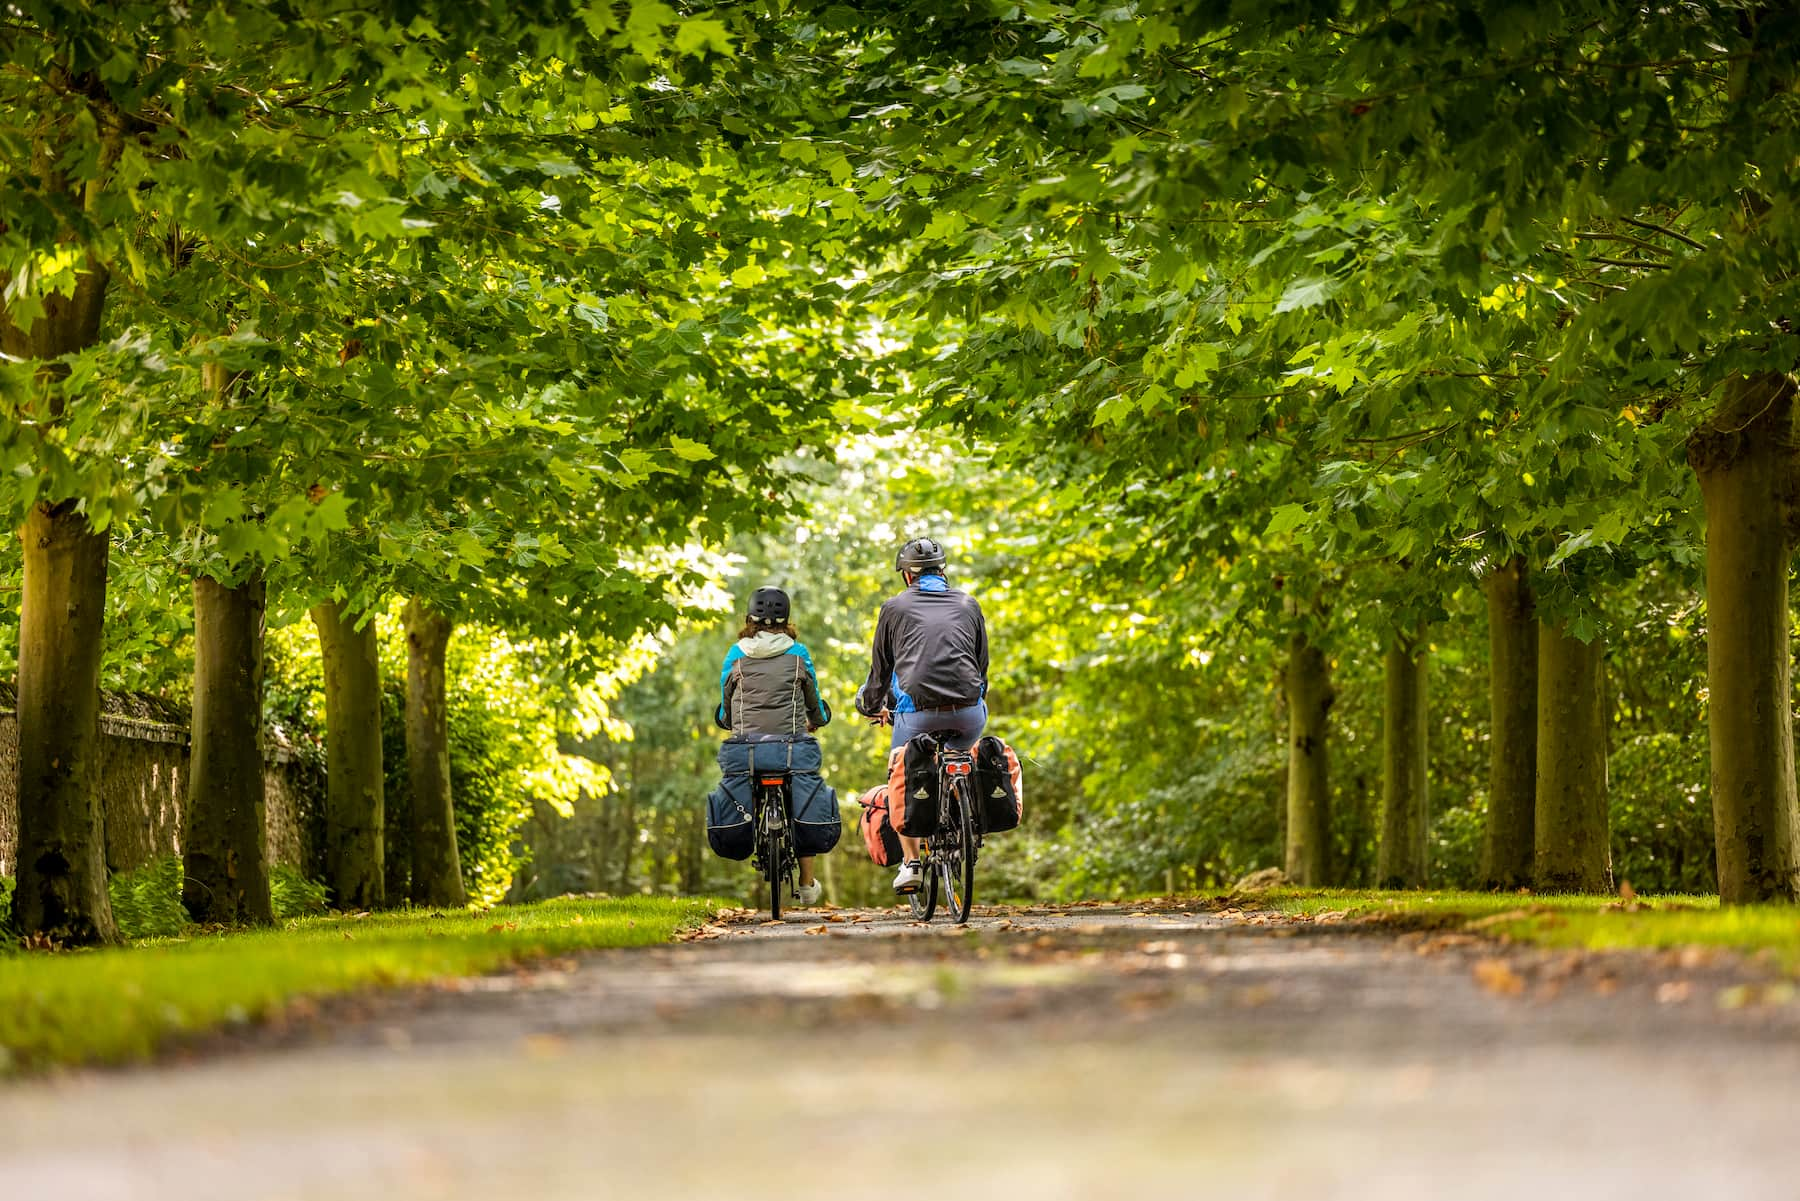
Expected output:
(1744, 458)
(224, 840)
(1573, 852)
(1508, 843)
(353, 790)
(1403, 860)
(60, 890)
(436, 869)
(1307, 686)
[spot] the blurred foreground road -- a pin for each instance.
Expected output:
(1084, 1053)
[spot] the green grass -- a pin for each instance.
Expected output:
(122, 1003)
(1594, 923)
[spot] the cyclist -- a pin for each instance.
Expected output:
(930, 668)
(768, 689)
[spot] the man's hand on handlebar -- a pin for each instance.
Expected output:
(884, 718)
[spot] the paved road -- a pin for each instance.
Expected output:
(1094, 1053)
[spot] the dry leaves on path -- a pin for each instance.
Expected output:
(1498, 977)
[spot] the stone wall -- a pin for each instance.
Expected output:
(143, 785)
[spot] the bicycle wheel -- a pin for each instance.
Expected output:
(924, 902)
(769, 842)
(959, 865)
(772, 858)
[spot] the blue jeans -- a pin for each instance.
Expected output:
(964, 725)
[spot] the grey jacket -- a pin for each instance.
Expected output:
(767, 686)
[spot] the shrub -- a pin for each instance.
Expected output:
(146, 900)
(293, 894)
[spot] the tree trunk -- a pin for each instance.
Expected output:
(1307, 685)
(224, 839)
(436, 869)
(1509, 843)
(1402, 861)
(1743, 459)
(628, 839)
(1573, 852)
(353, 787)
(60, 890)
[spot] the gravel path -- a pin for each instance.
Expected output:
(1086, 1053)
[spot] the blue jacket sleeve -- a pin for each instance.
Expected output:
(725, 687)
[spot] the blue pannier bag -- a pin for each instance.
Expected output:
(728, 829)
(817, 825)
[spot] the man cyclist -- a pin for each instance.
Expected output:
(930, 668)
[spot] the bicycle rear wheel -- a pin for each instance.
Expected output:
(959, 865)
(772, 858)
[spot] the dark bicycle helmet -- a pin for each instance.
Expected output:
(919, 556)
(769, 607)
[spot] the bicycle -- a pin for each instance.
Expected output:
(949, 854)
(771, 816)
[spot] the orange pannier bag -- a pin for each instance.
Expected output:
(878, 832)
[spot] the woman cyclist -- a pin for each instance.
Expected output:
(769, 690)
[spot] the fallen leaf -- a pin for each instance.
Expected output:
(1497, 919)
(1498, 978)
(816, 929)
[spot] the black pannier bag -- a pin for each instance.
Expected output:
(999, 790)
(913, 787)
(728, 827)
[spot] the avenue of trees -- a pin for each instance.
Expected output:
(1287, 329)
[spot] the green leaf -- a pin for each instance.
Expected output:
(687, 448)
(1307, 292)
(702, 33)
(1285, 518)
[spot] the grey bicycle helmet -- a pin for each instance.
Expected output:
(769, 606)
(919, 556)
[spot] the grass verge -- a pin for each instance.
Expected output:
(1593, 923)
(120, 1004)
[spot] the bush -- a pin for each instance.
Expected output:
(1456, 837)
(1662, 831)
(146, 900)
(8, 938)
(294, 895)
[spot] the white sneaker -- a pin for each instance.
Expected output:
(912, 875)
(807, 895)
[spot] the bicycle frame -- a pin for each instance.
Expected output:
(772, 812)
(958, 835)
